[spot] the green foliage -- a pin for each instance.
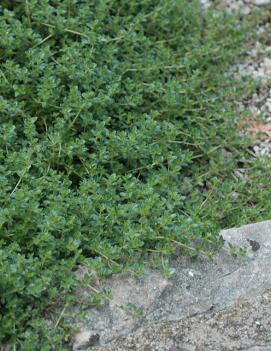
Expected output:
(113, 133)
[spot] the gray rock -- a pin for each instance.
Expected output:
(239, 327)
(84, 339)
(260, 2)
(245, 10)
(192, 310)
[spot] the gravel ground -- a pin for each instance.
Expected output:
(256, 65)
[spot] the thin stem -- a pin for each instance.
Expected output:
(60, 316)
(66, 30)
(106, 257)
(75, 32)
(27, 12)
(3, 74)
(44, 40)
(77, 115)
(93, 289)
(206, 199)
(180, 244)
(16, 186)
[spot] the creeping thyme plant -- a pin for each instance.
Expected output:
(115, 118)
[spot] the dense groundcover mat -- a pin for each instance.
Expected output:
(115, 141)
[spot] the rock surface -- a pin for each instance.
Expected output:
(84, 339)
(237, 328)
(224, 304)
